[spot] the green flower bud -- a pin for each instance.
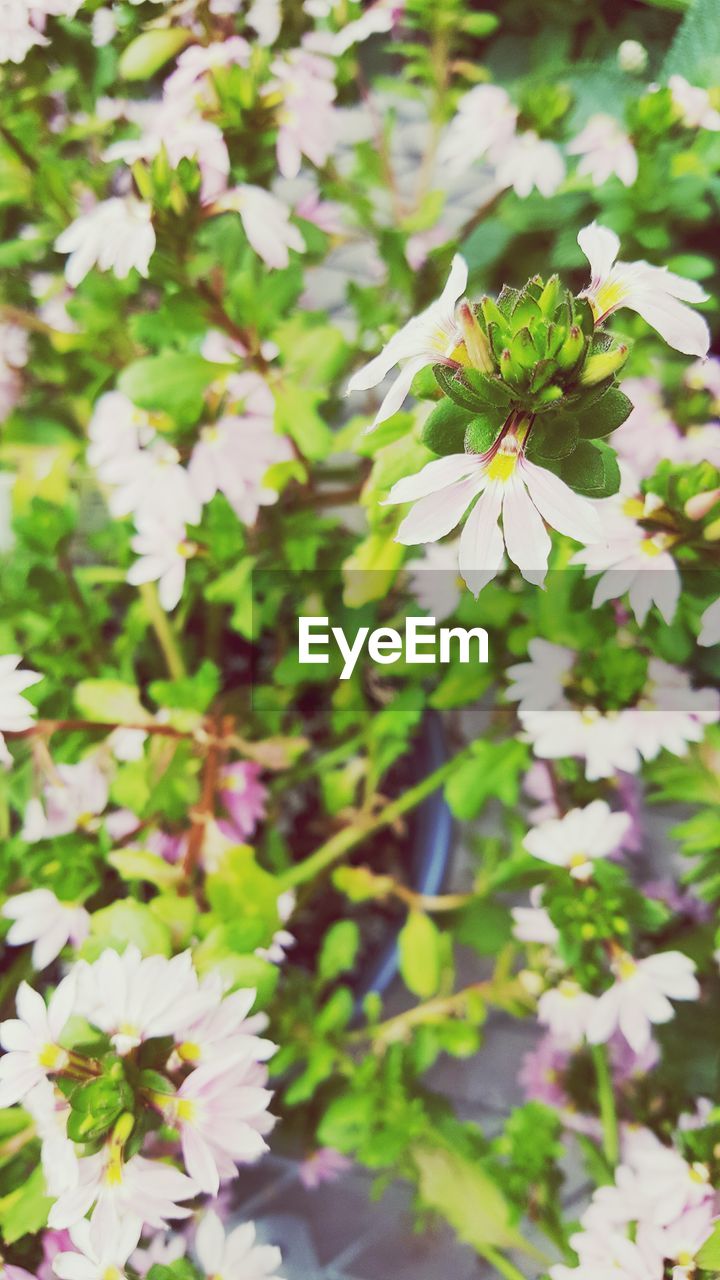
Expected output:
(603, 365)
(697, 507)
(476, 341)
(148, 52)
(572, 348)
(712, 532)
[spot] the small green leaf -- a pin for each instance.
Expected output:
(173, 383)
(553, 435)
(483, 431)
(591, 470)
(444, 430)
(709, 1256)
(605, 415)
(419, 948)
(339, 949)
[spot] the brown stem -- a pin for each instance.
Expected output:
(202, 815)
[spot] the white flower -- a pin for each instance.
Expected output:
(681, 1240)
(377, 19)
(427, 339)
(575, 840)
(98, 1260)
(605, 149)
(236, 1256)
(134, 999)
(710, 625)
(104, 27)
(163, 552)
(266, 221)
(533, 924)
(540, 683)
(16, 713)
(225, 1031)
(639, 996)
(506, 482)
(122, 1195)
(434, 580)
(485, 122)
(567, 1011)
(117, 235)
(609, 1256)
(74, 796)
(31, 1040)
(658, 295)
(632, 56)
(39, 917)
(696, 110)
(634, 561)
(17, 33)
(528, 161)
(185, 135)
(151, 483)
(50, 1109)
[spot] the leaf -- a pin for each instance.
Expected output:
(484, 430)
(709, 1256)
(465, 1194)
(553, 435)
(605, 415)
(695, 51)
(110, 701)
(493, 770)
(471, 390)
(123, 922)
(25, 1210)
(149, 51)
(444, 430)
(419, 950)
(296, 415)
(591, 470)
(339, 949)
(483, 925)
(173, 383)
(140, 864)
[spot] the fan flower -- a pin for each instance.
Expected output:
(235, 1255)
(656, 294)
(429, 338)
(134, 998)
(39, 917)
(97, 1261)
(163, 551)
(567, 1010)
(117, 235)
(266, 222)
(32, 1039)
(122, 1194)
(640, 996)
(577, 839)
(243, 796)
(485, 122)
(693, 104)
(16, 713)
(73, 798)
(632, 560)
(605, 150)
(506, 482)
(710, 625)
(528, 161)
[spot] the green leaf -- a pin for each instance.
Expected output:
(110, 701)
(173, 383)
(189, 693)
(25, 1210)
(493, 770)
(339, 949)
(709, 1256)
(695, 51)
(140, 864)
(419, 949)
(149, 51)
(591, 470)
(484, 430)
(471, 390)
(296, 414)
(553, 435)
(468, 1197)
(124, 922)
(444, 429)
(605, 415)
(485, 926)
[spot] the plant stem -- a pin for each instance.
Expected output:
(501, 1263)
(343, 841)
(165, 635)
(606, 1102)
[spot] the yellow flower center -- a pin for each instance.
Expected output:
(609, 297)
(52, 1057)
(577, 860)
(189, 1051)
(625, 967)
(505, 461)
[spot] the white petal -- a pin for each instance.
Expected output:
(563, 509)
(481, 542)
(526, 539)
(600, 246)
(435, 475)
(682, 328)
(435, 515)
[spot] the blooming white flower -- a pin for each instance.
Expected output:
(31, 1040)
(122, 1194)
(150, 483)
(16, 713)
(528, 161)
(265, 18)
(649, 434)
(50, 1109)
(658, 295)
(605, 150)
(194, 63)
(18, 34)
(429, 338)
(710, 625)
(163, 552)
(485, 123)
(694, 105)
(306, 122)
(639, 995)
(225, 1031)
(377, 19)
(577, 839)
(104, 27)
(39, 917)
(634, 561)
(235, 1256)
(117, 235)
(174, 125)
(533, 923)
(74, 796)
(506, 482)
(434, 580)
(98, 1260)
(134, 998)
(609, 1254)
(680, 1241)
(567, 1010)
(540, 683)
(266, 221)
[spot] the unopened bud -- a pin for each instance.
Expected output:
(149, 51)
(603, 365)
(476, 341)
(697, 507)
(712, 532)
(632, 56)
(571, 349)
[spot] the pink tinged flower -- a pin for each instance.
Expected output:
(656, 294)
(634, 561)
(243, 796)
(378, 19)
(649, 434)
(324, 1165)
(567, 1010)
(134, 998)
(429, 338)
(117, 235)
(18, 35)
(306, 124)
(710, 625)
(73, 798)
(122, 1194)
(542, 1071)
(50, 1110)
(421, 244)
(233, 457)
(681, 1240)
(538, 785)
(162, 1250)
(226, 1031)
(540, 683)
(150, 482)
(640, 996)
(16, 713)
(98, 1260)
(163, 552)
(266, 222)
(197, 62)
(485, 122)
(221, 1114)
(606, 1255)
(184, 134)
(504, 482)
(237, 1255)
(577, 839)
(694, 105)
(328, 215)
(528, 161)
(434, 579)
(605, 150)
(31, 1040)
(39, 917)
